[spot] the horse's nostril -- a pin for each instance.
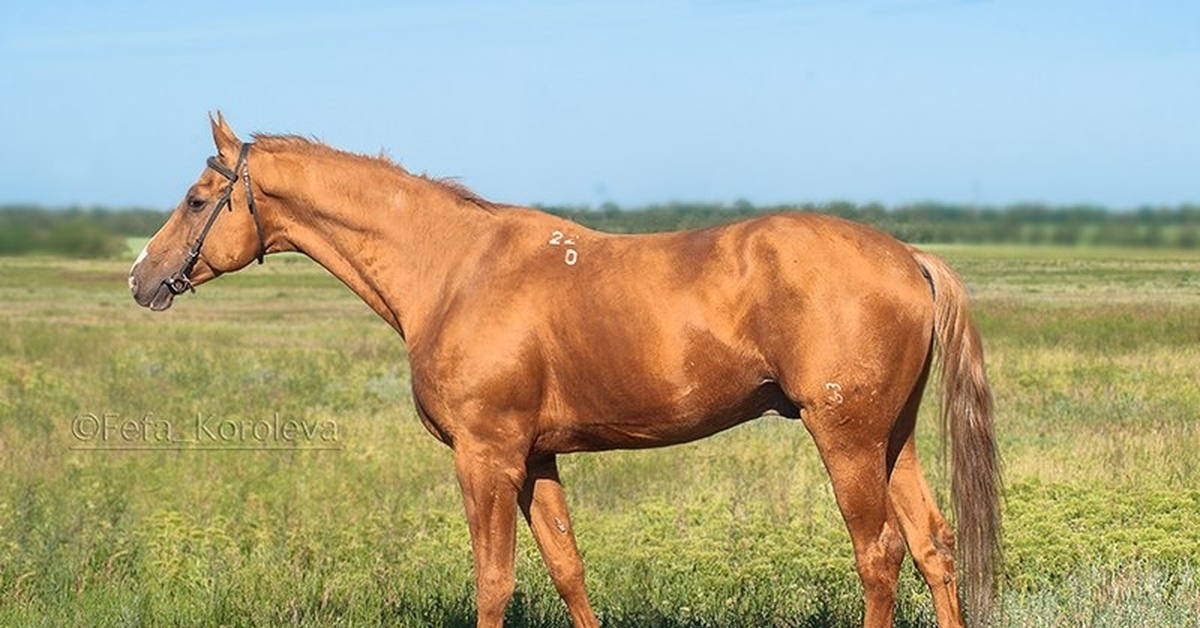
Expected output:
(133, 284)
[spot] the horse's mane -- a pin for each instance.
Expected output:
(304, 145)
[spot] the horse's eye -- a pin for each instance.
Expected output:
(195, 202)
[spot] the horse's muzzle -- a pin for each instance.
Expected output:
(158, 300)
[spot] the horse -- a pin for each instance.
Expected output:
(530, 336)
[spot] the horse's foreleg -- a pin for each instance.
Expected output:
(928, 535)
(490, 482)
(545, 507)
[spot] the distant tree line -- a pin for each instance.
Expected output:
(924, 223)
(99, 232)
(71, 232)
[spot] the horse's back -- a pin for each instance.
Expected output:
(755, 274)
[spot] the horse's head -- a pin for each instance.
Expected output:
(214, 230)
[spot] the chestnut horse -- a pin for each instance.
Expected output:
(530, 336)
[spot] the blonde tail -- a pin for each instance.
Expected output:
(967, 416)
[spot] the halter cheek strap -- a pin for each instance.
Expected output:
(179, 282)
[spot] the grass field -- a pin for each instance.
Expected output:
(149, 476)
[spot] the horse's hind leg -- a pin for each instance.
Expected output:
(859, 479)
(853, 420)
(852, 431)
(545, 507)
(928, 536)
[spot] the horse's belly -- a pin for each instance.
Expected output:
(670, 424)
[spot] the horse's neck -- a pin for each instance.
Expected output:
(396, 240)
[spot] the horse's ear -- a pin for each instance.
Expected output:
(227, 143)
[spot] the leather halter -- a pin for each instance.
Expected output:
(179, 282)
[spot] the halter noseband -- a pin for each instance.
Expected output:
(179, 282)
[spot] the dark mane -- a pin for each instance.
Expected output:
(304, 145)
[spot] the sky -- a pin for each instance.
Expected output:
(568, 102)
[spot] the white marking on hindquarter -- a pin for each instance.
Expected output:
(835, 393)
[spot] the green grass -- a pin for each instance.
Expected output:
(1093, 357)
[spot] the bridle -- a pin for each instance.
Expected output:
(179, 282)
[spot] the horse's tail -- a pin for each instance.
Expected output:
(967, 415)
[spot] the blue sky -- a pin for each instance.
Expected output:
(570, 102)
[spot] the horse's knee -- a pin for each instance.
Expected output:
(568, 579)
(494, 589)
(498, 587)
